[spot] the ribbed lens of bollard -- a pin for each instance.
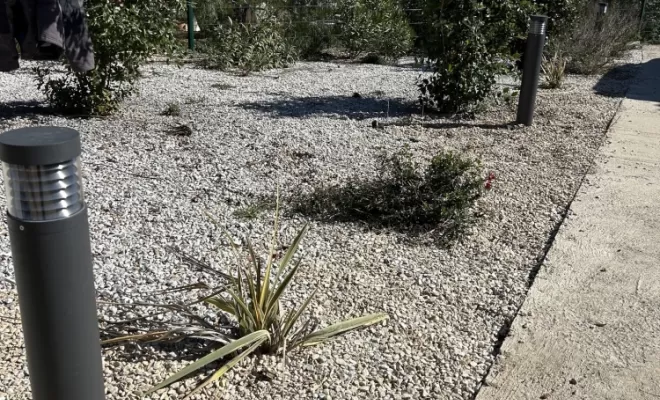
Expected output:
(537, 27)
(43, 192)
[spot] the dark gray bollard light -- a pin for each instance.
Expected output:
(50, 245)
(531, 68)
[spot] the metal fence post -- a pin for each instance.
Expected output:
(191, 26)
(50, 245)
(531, 68)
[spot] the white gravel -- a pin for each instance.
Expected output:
(147, 190)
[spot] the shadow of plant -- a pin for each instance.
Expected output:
(13, 109)
(353, 107)
(438, 201)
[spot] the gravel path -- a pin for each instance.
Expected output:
(148, 189)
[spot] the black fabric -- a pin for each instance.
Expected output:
(44, 30)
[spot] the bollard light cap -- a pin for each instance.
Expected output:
(43, 145)
(41, 173)
(538, 24)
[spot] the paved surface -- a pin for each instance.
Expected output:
(590, 327)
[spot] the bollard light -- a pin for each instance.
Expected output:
(50, 245)
(602, 10)
(531, 68)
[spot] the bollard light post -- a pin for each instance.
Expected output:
(50, 245)
(602, 10)
(531, 69)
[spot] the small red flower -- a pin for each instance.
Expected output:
(488, 185)
(491, 176)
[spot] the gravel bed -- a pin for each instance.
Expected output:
(297, 128)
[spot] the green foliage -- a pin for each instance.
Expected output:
(554, 71)
(464, 75)
(305, 26)
(561, 13)
(172, 110)
(249, 343)
(248, 47)
(592, 42)
(253, 299)
(252, 211)
(124, 36)
(466, 42)
(209, 12)
(438, 198)
(651, 22)
(312, 27)
(374, 26)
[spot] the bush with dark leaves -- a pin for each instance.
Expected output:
(405, 197)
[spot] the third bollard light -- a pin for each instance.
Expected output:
(50, 245)
(531, 69)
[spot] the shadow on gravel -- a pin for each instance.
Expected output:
(185, 350)
(390, 206)
(13, 109)
(456, 125)
(615, 82)
(339, 106)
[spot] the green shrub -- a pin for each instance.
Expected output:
(467, 43)
(307, 26)
(439, 198)
(374, 26)
(209, 12)
(172, 110)
(124, 36)
(253, 300)
(554, 71)
(592, 42)
(463, 74)
(561, 13)
(248, 47)
(651, 22)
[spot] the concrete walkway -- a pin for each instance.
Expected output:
(590, 327)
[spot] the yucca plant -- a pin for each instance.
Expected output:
(554, 71)
(253, 299)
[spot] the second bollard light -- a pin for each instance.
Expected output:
(531, 69)
(50, 245)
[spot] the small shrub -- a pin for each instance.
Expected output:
(651, 23)
(248, 47)
(252, 211)
(588, 45)
(222, 86)
(374, 26)
(554, 71)
(254, 301)
(439, 198)
(305, 27)
(561, 13)
(172, 110)
(467, 43)
(463, 74)
(124, 36)
(200, 99)
(372, 58)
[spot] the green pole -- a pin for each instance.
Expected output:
(641, 20)
(191, 26)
